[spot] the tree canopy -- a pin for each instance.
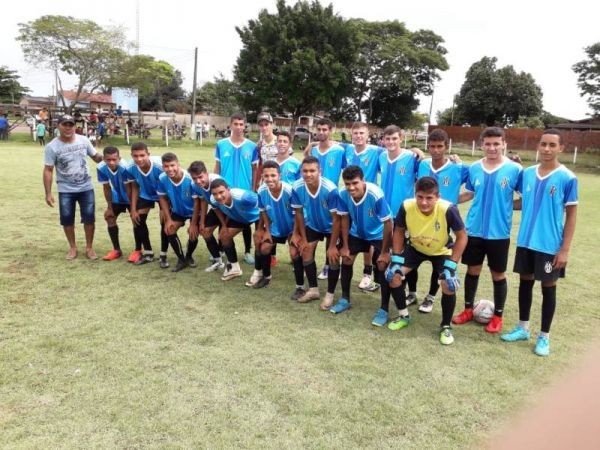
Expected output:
(588, 79)
(11, 90)
(218, 97)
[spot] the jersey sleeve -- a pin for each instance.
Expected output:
(464, 173)
(400, 220)
(217, 153)
(382, 209)
(572, 192)
(453, 219)
(255, 155)
(102, 178)
(261, 205)
(342, 207)
(91, 151)
(295, 201)
(49, 156)
(332, 200)
(160, 186)
(250, 199)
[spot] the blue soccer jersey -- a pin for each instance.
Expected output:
(398, 177)
(367, 160)
(279, 210)
(318, 206)
(116, 180)
(179, 194)
(243, 208)
(367, 215)
(237, 162)
(331, 162)
(450, 177)
(544, 200)
(490, 214)
(200, 192)
(147, 181)
(290, 170)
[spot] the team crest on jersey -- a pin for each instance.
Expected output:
(504, 182)
(324, 204)
(371, 212)
(226, 154)
(548, 267)
(437, 225)
(247, 156)
(528, 188)
(331, 162)
(477, 182)
(446, 181)
(366, 161)
(552, 191)
(402, 170)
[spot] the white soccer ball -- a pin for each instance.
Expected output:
(483, 311)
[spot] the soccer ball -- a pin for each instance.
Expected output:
(483, 311)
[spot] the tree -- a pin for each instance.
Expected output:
(11, 90)
(497, 96)
(391, 104)
(77, 47)
(588, 79)
(295, 60)
(218, 96)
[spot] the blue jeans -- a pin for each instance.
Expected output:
(66, 202)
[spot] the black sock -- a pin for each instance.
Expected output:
(385, 296)
(247, 234)
(471, 282)
(434, 284)
(548, 307)
(310, 268)
(213, 246)
(368, 270)
(191, 247)
(176, 245)
(113, 232)
(448, 305)
(274, 249)
(411, 279)
(525, 299)
(266, 264)
(144, 233)
(231, 253)
(332, 278)
(258, 262)
(500, 292)
(164, 240)
(399, 296)
(347, 270)
(137, 239)
(298, 271)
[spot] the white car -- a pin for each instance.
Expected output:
(303, 133)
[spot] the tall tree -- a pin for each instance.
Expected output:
(219, 97)
(497, 96)
(77, 47)
(295, 60)
(588, 79)
(11, 90)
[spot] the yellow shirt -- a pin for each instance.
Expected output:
(428, 233)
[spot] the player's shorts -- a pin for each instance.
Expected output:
(142, 203)
(120, 208)
(539, 264)
(313, 235)
(413, 259)
(357, 245)
(279, 239)
(496, 251)
(177, 218)
(66, 206)
(211, 219)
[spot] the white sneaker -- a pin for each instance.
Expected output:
(327, 302)
(255, 278)
(310, 295)
(427, 305)
(216, 265)
(324, 272)
(410, 299)
(231, 271)
(365, 282)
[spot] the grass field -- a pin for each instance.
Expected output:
(104, 355)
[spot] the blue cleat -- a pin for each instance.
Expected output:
(516, 334)
(542, 346)
(341, 305)
(380, 318)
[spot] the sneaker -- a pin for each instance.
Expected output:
(446, 337)
(163, 263)
(248, 258)
(134, 256)
(263, 282)
(427, 305)
(340, 306)
(516, 334)
(411, 299)
(231, 273)
(399, 322)
(463, 317)
(191, 262)
(144, 259)
(323, 274)
(542, 346)
(181, 264)
(365, 282)
(494, 325)
(274, 261)
(327, 302)
(255, 278)
(380, 318)
(216, 265)
(371, 287)
(299, 292)
(112, 255)
(310, 295)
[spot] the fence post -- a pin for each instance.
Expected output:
(450, 149)
(473, 149)
(575, 155)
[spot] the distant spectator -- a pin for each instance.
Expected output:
(41, 133)
(198, 129)
(205, 129)
(4, 125)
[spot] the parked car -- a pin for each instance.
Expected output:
(303, 133)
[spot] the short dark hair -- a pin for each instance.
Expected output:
(218, 183)
(271, 165)
(110, 150)
(492, 132)
(427, 184)
(359, 125)
(237, 116)
(325, 121)
(351, 172)
(391, 129)
(197, 167)
(285, 133)
(311, 160)
(554, 132)
(139, 146)
(439, 135)
(169, 157)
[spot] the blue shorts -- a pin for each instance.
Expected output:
(66, 203)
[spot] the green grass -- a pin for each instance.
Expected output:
(97, 355)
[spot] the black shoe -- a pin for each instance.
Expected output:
(181, 264)
(191, 262)
(164, 264)
(144, 259)
(299, 292)
(263, 282)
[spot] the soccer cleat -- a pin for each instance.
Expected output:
(214, 266)
(340, 306)
(310, 295)
(299, 292)
(163, 263)
(144, 259)
(231, 272)
(380, 318)
(274, 261)
(134, 256)
(494, 325)
(323, 274)
(191, 262)
(248, 258)
(255, 278)
(427, 305)
(410, 299)
(365, 282)
(463, 317)
(263, 282)
(327, 302)
(542, 346)
(181, 264)
(446, 337)
(516, 334)
(112, 255)
(399, 322)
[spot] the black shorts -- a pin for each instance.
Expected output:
(496, 251)
(539, 264)
(177, 218)
(142, 203)
(312, 235)
(211, 219)
(413, 259)
(119, 208)
(279, 239)
(358, 245)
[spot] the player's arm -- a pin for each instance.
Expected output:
(135, 195)
(97, 158)
(166, 211)
(193, 229)
(255, 177)
(107, 191)
(332, 252)
(307, 149)
(263, 230)
(560, 260)
(203, 212)
(419, 154)
(460, 244)
(465, 196)
(47, 179)
(344, 232)
(217, 167)
(398, 240)
(299, 233)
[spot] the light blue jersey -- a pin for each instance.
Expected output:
(367, 160)
(367, 215)
(490, 214)
(147, 181)
(331, 162)
(179, 194)
(200, 192)
(544, 201)
(116, 180)
(290, 170)
(317, 207)
(237, 162)
(450, 177)
(243, 208)
(279, 210)
(398, 178)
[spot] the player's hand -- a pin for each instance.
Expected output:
(560, 260)
(193, 231)
(454, 158)
(50, 200)
(393, 273)
(109, 214)
(201, 227)
(449, 277)
(169, 227)
(383, 261)
(333, 254)
(420, 154)
(345, 252)
(225, 234)
(135, 216)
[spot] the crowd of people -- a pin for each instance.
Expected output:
(396, 208)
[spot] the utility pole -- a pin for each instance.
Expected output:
(193, 119)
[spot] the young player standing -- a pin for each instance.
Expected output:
(491, 184)
(549, 191)
(267, 145)
(290, 166)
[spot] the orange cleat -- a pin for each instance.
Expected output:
(274, 261)
(494, 325)
(112, 255)
(134, 256)
(463, 317)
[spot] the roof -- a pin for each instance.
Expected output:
(31, 98)
(88, 97)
